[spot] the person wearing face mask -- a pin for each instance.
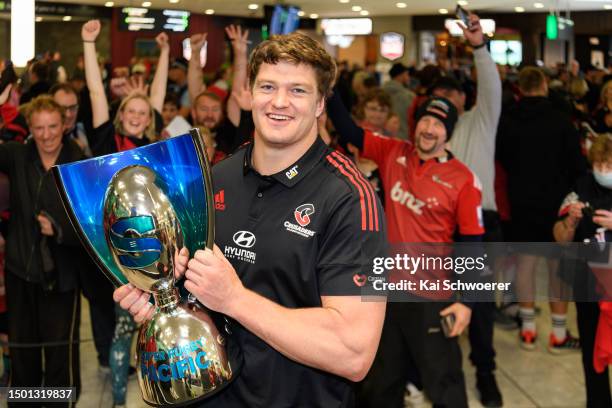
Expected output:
(595, 191)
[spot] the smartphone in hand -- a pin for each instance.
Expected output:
(447, 322)
(463, 15)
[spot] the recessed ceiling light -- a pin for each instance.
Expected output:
(314, 16)
(146, 4)
(356, 8)
(253, 6)
(538, 5)
(209, 12)
(443, 11)
(174, 1)
(301, 13)
(109, 4)
(462, 3)
(66, 18)
(344, 1)
(401, 5)
(519, 9)
(608, 6)
(364, 12)
(39, 19)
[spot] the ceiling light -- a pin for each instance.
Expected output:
(538, 5)
(253, 6)
(174, 1)
(519, 9)
(364, 12)
(209, 12)
(39, 19)
(344, 1)
(301, 13)
(462, 3)
(443, 11)
(66, 18)
(314, 16)
(146, 4)
(109, 4)
(401, 5)
(356, 8)
(608, 6)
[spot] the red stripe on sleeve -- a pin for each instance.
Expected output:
(373, 210)
(352, 180)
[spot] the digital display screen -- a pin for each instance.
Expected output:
(144, 19)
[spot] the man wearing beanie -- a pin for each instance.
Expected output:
(431, 197)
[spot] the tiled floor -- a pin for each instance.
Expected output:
(526, 379)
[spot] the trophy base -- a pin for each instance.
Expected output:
(181, 357)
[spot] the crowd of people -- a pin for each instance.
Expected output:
(506, 154)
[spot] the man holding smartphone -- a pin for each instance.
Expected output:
(473, 143)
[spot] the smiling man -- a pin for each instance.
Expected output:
(430, 197)
(42, 254)
(306, 227)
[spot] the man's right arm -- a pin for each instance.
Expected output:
(371, 146)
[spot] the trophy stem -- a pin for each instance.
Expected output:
(166, 299)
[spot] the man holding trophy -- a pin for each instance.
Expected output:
(297, 228)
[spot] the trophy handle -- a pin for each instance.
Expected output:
(198, 142)
(80, 233)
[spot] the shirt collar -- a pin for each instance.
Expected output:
(290, 176)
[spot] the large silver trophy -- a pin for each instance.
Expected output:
(134, 211)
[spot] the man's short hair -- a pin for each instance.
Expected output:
(41, 70)
(446, 84)
(295, 48)
(209, 95)
(531, 79)
(44, 103)
(64, 87)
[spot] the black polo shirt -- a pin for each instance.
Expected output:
(308, 231)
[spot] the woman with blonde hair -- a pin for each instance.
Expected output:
(134, 124)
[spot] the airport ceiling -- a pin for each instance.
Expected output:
(357, 8)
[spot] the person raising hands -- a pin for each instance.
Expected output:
(133, 125)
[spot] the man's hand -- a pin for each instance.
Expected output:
(462, 314)
(238, 38)
(197, 41)
(575, 214)
(90, 30)
(603, 218)
(242, 98)
(136, 86)
(473, 34)
(213, 280)
(46, 228)
(136, 301)
(162, 41)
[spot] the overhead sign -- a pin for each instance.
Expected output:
(144, 19)
(346, 26)
(454, 26)
(392, 46)
(552, 27)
